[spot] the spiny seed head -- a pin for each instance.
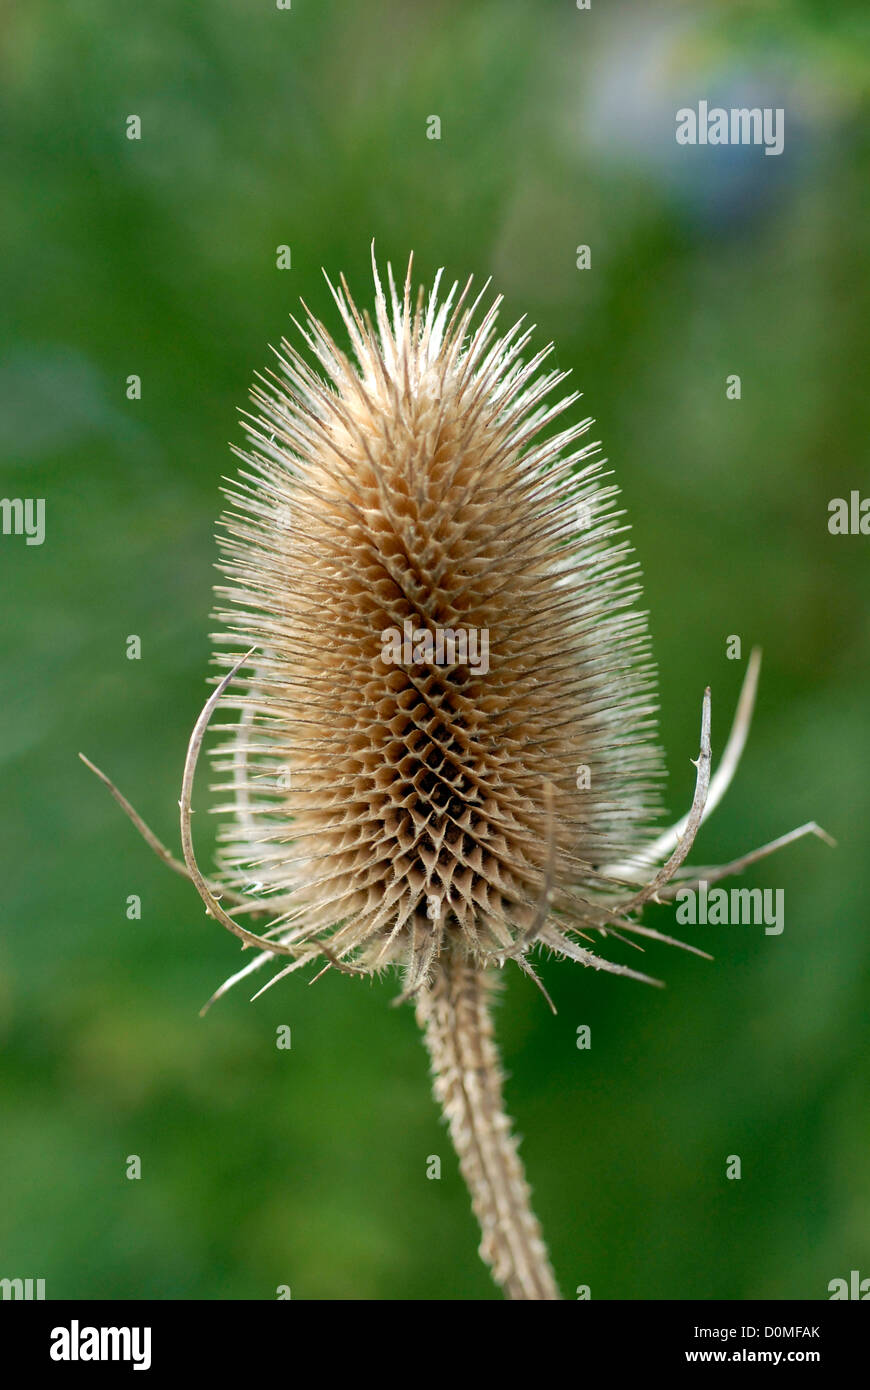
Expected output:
(448, 720)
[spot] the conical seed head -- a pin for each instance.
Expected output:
(451, 702)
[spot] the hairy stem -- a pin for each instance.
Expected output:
(455, 1016)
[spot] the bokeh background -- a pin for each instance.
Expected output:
(307, 127)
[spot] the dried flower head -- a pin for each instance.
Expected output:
(443, 606)
(445, 749)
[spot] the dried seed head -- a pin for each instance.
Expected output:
(449, 721)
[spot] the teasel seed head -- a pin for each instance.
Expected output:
(397, 808)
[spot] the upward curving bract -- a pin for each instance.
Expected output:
(449, 724)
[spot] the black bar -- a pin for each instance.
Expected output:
(229, 1338)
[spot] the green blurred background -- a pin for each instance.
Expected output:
(157, 257)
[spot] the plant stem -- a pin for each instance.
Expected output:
(454, 1013)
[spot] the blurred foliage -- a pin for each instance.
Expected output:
(307, 127)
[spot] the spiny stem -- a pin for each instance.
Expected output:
(455, 1015)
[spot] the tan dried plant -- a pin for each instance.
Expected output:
(398, 799)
